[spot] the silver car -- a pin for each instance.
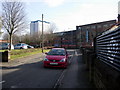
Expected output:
(6, 46)
(21, 46)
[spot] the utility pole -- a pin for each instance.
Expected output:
(42, 36)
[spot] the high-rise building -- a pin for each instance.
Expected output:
(36, 27)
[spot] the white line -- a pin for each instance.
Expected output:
(59, 79)
(2, 82)
(14, 87)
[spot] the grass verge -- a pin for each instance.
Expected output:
(19, 53)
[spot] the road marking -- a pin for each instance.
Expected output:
(58, 83)
(2, 82)
(78, 54)
(14, 87)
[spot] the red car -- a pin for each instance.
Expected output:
(56, 57)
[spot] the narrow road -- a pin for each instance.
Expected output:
(34, 75)
(76, 75)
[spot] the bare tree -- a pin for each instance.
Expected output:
(15, 36)
(5, 36)
(0, 25)
(50, 36)
(36, 38)
(26, 39)
(13, 18)
(52, 28)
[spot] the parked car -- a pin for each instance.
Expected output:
(36, 46)
(6, 46)
(21, 46)
(29, 46)
(56, 57)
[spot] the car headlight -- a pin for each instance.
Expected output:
(62, 60)
(45, 59)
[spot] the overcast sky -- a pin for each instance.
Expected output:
(67, 14)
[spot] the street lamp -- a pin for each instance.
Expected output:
(42, 36)
(43, 33)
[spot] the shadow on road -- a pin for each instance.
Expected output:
(32, 75)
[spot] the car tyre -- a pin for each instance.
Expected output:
(21, 48)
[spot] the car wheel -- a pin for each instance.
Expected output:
(21, 48)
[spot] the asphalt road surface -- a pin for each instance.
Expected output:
(33, 75)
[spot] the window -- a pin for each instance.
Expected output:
(18, 45)
(99, 26)
(87, 35)
(79, 28)
(93, 27)
(87, 27)
(5, 44)
(105, 25)
(111, 25)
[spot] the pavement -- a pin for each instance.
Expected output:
(19, 61)
(76, 75)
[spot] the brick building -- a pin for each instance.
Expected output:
(4, 41)
(66, 39)
(86, 33)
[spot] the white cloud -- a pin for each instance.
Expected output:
(86, 14)
(92, 13)
(54, 3)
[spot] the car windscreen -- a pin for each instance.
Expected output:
(5, 44)
(57, 52)
(24, 45)
(18, 45)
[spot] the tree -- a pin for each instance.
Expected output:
(15, 36)
(26, 39)
(0, 25)
(50, 36)
(13, 18)
(5, 36)
(52, 28)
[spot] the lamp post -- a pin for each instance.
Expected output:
(42, 36)
(43, 33)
